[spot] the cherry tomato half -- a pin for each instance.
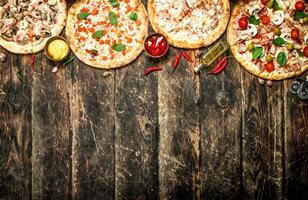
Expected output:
(269, 66)
(243, 22)
(305, 51)
(265, 19)
(295, 33)
(300, 6)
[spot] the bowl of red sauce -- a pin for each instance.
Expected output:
(156, 45)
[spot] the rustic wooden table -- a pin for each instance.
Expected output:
(77, 134)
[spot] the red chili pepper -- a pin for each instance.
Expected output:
(33, 62)
(187, 56)
(220, 66)
(151, 69)
(176, 60)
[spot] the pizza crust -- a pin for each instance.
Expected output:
(248, 65)
(186, 43)
(30, 48)
(119, 62)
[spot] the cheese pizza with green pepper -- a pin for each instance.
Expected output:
(107, 33)
(269, 38)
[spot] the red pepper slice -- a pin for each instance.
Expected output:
(187, 56)
(151, 69)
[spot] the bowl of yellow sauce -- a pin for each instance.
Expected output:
(57, 49)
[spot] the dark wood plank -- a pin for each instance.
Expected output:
(262, 111)
(296, 145)
(220, 133)
(92, 118)
(178, 101)
(137, 132)
(15, 131)
(51, 131)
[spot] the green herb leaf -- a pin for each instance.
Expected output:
(257, 52)
(21, 77)
(94, 51)
(83, 15)
(69, 60)
(118, 47)
(113, 18)
(114, 3)
(279, 42)
(282, 59)
(300, 54)
(253, 20)
(133, 16)
(276, 6)
(299, 15)
(98, 34)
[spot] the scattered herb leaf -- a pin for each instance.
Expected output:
(299, 15)
(279, 42)
(282, 59)
(69, 60)
(276, 6)
(133, 16)
(118, 47)
(300, 54)
(94, 51)
(114, 3)
(257, 52)
(113, 18)
(253, 20)
(98, 34)
(83, 15)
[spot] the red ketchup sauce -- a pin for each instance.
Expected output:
(156, 45)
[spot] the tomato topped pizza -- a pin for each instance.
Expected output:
(26, 25)
(189, 23)
(270, 37)
(107, 33)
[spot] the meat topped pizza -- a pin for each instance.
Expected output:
(269, 37)
(26, 25)
(107, 33)
(189, 23)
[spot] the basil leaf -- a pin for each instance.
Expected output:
(83, 15)
(253, 20)
(279, 42)
(276, 6)
(118, 47)
(257, 52)
(133, 16)
(113, 18)
(114, 3)
(300, 54)
(94, 51)
(299, 15)
(282, 59)
(98, 34)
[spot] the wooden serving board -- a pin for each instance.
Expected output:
(76, 134)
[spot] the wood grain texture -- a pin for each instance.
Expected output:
(92, 119)
(51, 132)
(220, 133)
(137, 132)
(178, 96)
(15, 131)
(296, 145)
(261, 139)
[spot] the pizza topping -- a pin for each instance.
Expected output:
(268, 58)
(279, 41)
(277, 31)
(133, 16)
(114, 3)
(253, 20)
(290, 47)
(83, 15)
(118, 47)
(295, 33)
(281, 59)
(269, 66)
(243, 22)
(305, 51)
(98, 34)
(257, 52)
(300, 6)
(112, 18)
(278, 17)
(254, 10)
(250, 46)
(265, 19)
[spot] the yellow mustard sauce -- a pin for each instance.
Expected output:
(58, 49)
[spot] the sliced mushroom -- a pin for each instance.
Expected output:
(251, 30)
(44, 16)
(1, 24)
(286, 37)
(254, 10)
(46, 34)
(278, 17)
(53, 16)
(7, 37)
(306, 38)
(52, 2)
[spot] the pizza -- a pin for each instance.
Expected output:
(189, 23)
(107, 33)
(269, 38)
(26, 25)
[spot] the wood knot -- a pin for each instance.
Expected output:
(223, 99)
